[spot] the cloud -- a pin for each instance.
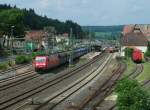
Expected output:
(44, 3)
(90, 12)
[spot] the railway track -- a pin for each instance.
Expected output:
(103, 91)
(114, 107)
(29, 75)
(12, 76)
(65, 93)
(17, 76)
(7, 103)
(15, 68)
(145, 83)
(95, 104)
(138, 70)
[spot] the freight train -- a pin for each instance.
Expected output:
(43, 63)
(97, 48)
(137, 56)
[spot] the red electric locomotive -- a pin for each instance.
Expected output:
(137, 55)
(46, 62)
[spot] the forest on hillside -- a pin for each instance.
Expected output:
(26, 19)
(105, 32)
(116, 28)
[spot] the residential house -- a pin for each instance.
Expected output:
(133, 37)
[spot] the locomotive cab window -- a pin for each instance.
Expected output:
(40, 59)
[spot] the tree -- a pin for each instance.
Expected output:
(93, 35)
(148, 50)
(50, 29)
(148, 46)
(128, 52)
(24, 20)
(131, 96)
(77, 30)
(10, 18)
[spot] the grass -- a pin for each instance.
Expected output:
(130, 67)
(21, 59)
(145, 75)
(3, 66)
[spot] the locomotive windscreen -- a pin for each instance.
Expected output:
(40, 59)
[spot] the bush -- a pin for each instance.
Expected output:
(11, 63)
(3, 66)
(128, 52)
(147, 54)
(21, 59)
(131, 96)
(34, 54)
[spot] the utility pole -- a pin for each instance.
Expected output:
(11, 43)
(53, 40)
(71, 47)
(90, 40)
(49, 42)
(11, 37)
(120, 37)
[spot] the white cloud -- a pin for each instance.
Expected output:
(44, 3)
(90, 12)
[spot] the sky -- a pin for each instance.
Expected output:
(90, 12)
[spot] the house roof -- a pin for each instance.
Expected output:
(134, 39)
(128, 29)
(145, 29)
(36, 35)
(66, 35)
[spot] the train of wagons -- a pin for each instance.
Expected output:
(111, 49)
(137, 56)
(43, 63)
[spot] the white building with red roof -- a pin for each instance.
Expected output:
(134, 37)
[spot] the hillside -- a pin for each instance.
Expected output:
(118, 28)
(27, 19)
(105, 32)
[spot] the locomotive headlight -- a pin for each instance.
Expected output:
(37, 64)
